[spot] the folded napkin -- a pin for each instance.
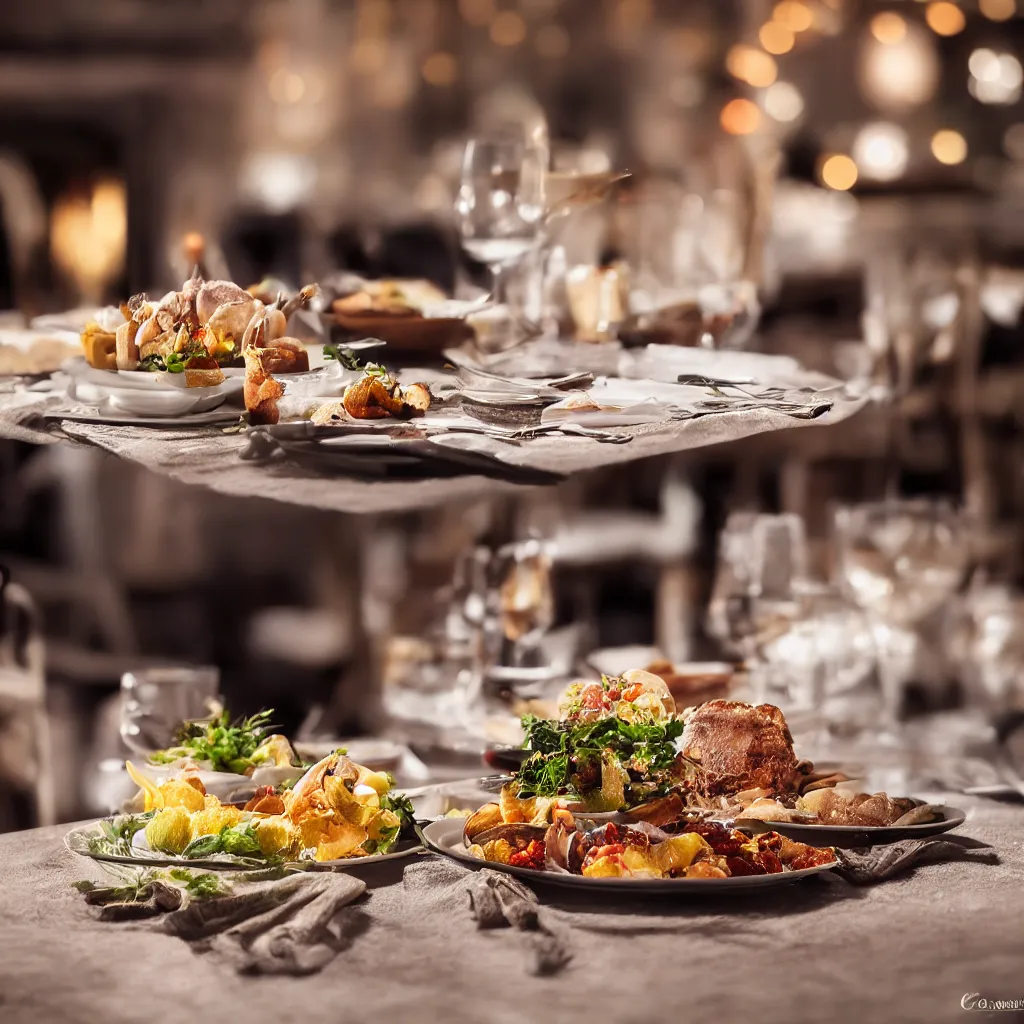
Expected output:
(866, 867)
(292, 925)
(496, 900)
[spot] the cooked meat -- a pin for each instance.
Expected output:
(734, 747)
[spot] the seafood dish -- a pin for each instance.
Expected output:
(337, 810)
(376, 395)
(197, 331)
(692, 850)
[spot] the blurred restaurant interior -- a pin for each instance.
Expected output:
(838, 183)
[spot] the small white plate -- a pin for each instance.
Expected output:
(445, 837)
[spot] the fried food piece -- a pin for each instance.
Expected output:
(127, 352)
(704, 869)
(261, 391)
(99, 346)
(376, 396)
(275, 834)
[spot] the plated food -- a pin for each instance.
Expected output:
(694, 850)
(408, 314)
(27, 352)
(620, 753)
(197, 332)
(338, 811)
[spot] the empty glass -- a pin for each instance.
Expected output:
(499, 210)
(900, 561)
(156, 701)
(760, 562)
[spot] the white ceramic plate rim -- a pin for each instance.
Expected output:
(84, 833)
(445, 837)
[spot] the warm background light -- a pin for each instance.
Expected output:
(783, 101)
(751, 66)
(949, 147)
(740, 117)
(440, 69)
(839, 172)
(888, 28)
(998, 10)
(776, 38)
(795, 16)
(881, 151)
(1013, 141)
(900, 76)
(508, 29)
(944, 18)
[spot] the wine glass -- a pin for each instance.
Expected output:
(761, 560)
(500, 210)
(156, 701)
(900, 561)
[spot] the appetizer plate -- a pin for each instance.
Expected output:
(140, 380)
(78, 841)
(445, 837)
(850, 836)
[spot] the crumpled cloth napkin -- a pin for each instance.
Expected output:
(293, 926)
(496, 900)
(868, 866)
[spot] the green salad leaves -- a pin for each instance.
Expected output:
(227, 746)
(568, 757)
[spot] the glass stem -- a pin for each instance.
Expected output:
(892, 674)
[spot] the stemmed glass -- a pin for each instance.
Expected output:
(761, 559)
(900, 561)
(500, 210)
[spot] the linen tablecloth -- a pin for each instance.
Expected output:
(910, 949)
(210, 457)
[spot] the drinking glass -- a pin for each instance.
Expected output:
(900, 561)
(500, 209)
(156, 701)
(761, 560)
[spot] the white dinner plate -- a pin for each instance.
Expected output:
(77, 841)
(446, 837)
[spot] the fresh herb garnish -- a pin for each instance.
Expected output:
(203, 886)
(153, 364)
(175, 363)
(118, 832)
(237, 840)
(567, 758)
(343, 355)
(227, 746)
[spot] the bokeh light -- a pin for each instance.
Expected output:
(440, 69)
(888, 28)
(944, 18)
(839, 172)
(1013, 141)
(995, 78)
(783, 101)
(881, 151)
(508, 29)
(998, 10)
(949, 147)
(795, 16)
(900, 76)
(740, 117)
(751, 66)
(776, 37)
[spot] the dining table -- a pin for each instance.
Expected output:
(941, 942)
